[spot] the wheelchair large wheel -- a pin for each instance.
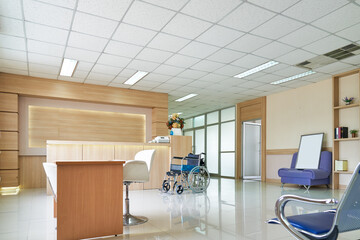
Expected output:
(166, 186)
(199, 179)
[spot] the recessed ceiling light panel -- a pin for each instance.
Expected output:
(136, 77)
(257, 69)
(68, 67)
(186, 97)
(293, 77)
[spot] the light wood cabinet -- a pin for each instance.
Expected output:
(8, 121)
(9, 178)
(9, 160)
(346, 85)
(8, 102)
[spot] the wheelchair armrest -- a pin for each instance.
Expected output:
(280, 212)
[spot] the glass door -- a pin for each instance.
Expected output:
(251, 150)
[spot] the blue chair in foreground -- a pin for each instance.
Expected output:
(323, 225)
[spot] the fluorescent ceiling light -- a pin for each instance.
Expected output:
(293, 77)
(136, 77)
(186, 97)
(68, 67)
(257, 69)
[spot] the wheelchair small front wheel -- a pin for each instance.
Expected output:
(166, 186)
(179, 189)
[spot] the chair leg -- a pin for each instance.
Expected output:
(128, 219)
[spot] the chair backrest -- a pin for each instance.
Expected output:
(324, 164)
(348, 212)
(147, 156)
(51, 174)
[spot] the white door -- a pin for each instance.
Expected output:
(251, 150)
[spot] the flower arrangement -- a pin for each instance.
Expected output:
(347, 100)
(175, 121)
(353, 132)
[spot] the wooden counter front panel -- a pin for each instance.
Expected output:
(62, 152)
(8, 121)
(8, 102)
(98, 152)
(159, 167)
(9, 141)
(89, 201)
(9, 160)
(9, 178)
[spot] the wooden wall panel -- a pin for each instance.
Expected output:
(47, 123)
(180, 145)
(32, 174)
(159, 129)
(8, 102)
(9, 160)
(9, 141)
(9, 178)
(41, 87)
(98, 152)
(8, 121)
(160, 115)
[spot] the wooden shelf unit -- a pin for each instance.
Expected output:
(338, 121)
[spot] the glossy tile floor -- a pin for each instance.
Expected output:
(231, 209)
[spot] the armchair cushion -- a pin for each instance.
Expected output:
(306, 173)
(136, 171)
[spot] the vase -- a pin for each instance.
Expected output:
(353, 135)
(177, 131)
(347, 103)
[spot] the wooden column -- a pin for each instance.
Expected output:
(159, 119)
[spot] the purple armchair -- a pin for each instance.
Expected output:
(308, 177)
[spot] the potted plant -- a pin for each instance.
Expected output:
(175, 124)
(353, 132)
(347, 100)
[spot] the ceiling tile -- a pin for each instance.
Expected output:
(156, 77)
(100, 77)
(352, 60)
(230, 70)
(333, 67)
(141, 88)
(168, 70)
(352, 33)
(119, 85)
(133, 34)
(71, 79)
(87, 42)
(251, 84)
(141, 65)
(295, 57)
(170, 4)
(13, 54)
(349, 15)
(277, 27)
(225, 56)
(126, 73)
(112, 9)
(13, 71)
(95, 82)
(93, 25)
(153, 55)
(46, 14)
(210, 10)
(112, 60)
(11, 8)
(180, 81)
(168, 43)
(268, 78)
(192, 74)
(147, 84)
(45, 48)
(62, 3)
(231, 81)
(274, 5)
(303, 36)
(183, 61)
(81, 55)
(53, 35)
(43, 75)
(326, 44)
(198, 84)
(167, 87)
(11, 42)
(11, 26)
(148, 16)
(273, 50)
(308, 10)
(243, 17)
(120, 80)
(5, 63)
(248, 43)
(99, 68)
(79, 74)
(275, 68)
(207, 66)
(185, 26)
(250, 61)
(122, 49)
(84, 66)
(219, 36)
(290, 71)
(44, 59)
(295, 84)
(211, 77)
(41, 68)
(199, 50)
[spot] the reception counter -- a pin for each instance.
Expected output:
(107, 151)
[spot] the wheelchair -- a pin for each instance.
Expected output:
(187, 172)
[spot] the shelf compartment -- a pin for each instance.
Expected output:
(343, 172)
(346, 139)
(347, 106)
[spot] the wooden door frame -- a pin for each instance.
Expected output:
(245, 111)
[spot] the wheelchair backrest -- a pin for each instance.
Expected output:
(348, 212)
